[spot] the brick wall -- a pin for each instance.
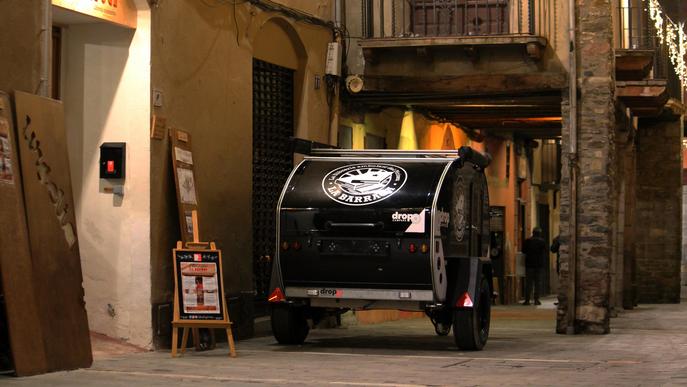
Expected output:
(658, 237)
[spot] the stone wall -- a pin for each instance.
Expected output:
(684, 242)
(659, 204)
(596, 173)
(565, 277)
(629, 175)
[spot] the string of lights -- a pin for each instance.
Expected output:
(673, 36)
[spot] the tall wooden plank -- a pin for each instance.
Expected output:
(52, 231)
(23, 316)
(184, 177)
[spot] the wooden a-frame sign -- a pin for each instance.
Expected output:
(198, 272)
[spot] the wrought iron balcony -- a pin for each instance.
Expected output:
(640, 54)
(451, 18)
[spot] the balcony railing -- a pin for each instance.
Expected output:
(441, 18)
(636, 31)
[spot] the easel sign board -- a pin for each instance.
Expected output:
(199, 285)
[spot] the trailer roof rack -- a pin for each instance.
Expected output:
(384, 153)
(317, 149)
(464, 153)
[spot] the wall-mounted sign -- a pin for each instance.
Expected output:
(120, 12)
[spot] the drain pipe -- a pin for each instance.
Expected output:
(335, 109)
(45, 41)
(335, 113)
(572, 169)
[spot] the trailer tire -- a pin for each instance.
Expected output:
(289, 325)
(471, 325)
(442, 329)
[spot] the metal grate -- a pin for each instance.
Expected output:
(272, 160)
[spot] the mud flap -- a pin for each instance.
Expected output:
(469, 274)
(276, 280)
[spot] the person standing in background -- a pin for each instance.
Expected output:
(536, 251)
(555, 248)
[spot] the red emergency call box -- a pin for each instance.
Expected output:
(112, 160)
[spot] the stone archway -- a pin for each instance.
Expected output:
(277, 42)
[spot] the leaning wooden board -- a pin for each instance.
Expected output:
(23, 315)
(57, 277)
(184, 177)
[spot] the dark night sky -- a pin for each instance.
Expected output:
(677, 9)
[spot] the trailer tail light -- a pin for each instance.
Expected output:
(276, 296)
(296, 245)
(412, 248)
(464, 301)
(424, 248)
(285, 245)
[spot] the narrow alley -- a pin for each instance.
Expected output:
(648, 347)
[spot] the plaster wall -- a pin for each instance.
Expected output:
(106, 90)
(501, 193)
(319, 8)
(202, 53)
(19, 45)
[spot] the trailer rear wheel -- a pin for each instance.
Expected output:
(442, 329)
(471, 325)
(289, 324)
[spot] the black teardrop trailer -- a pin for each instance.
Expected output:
(405, 230)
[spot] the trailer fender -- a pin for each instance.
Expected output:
(469, 274)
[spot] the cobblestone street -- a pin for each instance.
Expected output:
(647, 346)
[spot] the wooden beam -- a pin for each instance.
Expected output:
(424, 54)
(504, 122)
(534, 133)
(492, 40)
(534, 51)
(548, 101)
(633, 64)
(644, 98)
(469, 84)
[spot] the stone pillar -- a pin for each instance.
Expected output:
(595, 166)
(630, 178)
(658, 245)
(564, 275)
(684, 240)
(617, 259)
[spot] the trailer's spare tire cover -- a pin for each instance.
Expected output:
(375, 183)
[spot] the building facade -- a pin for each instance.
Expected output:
(573, 107)
(582, 112)
(214, 69)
